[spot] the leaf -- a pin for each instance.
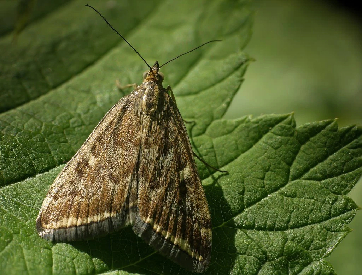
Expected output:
(282, 208)
(24, 10)
(15, 15)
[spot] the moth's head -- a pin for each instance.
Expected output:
(153, 74)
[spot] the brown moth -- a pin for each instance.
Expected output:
(136, 168)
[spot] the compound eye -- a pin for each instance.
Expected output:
(145, 75)
(161, 75)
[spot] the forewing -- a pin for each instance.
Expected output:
(173, 215)
(90, 197)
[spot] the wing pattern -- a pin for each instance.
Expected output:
(135, 168)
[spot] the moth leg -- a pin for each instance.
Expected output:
(208, 165)
(120, 87)
(189, 121)
(170, 92)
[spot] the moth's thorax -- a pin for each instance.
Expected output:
(154, 95)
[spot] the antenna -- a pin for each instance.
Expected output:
(189, 52)
(137, 51)
(119, 34)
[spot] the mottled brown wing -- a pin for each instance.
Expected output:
(173, 215)
(90, 197)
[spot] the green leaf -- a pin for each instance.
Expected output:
(281, 209)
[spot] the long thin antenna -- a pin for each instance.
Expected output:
(188, 52)
(119, 34)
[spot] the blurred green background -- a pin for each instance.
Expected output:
(308, 61)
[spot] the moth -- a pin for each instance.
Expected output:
(136, 168)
